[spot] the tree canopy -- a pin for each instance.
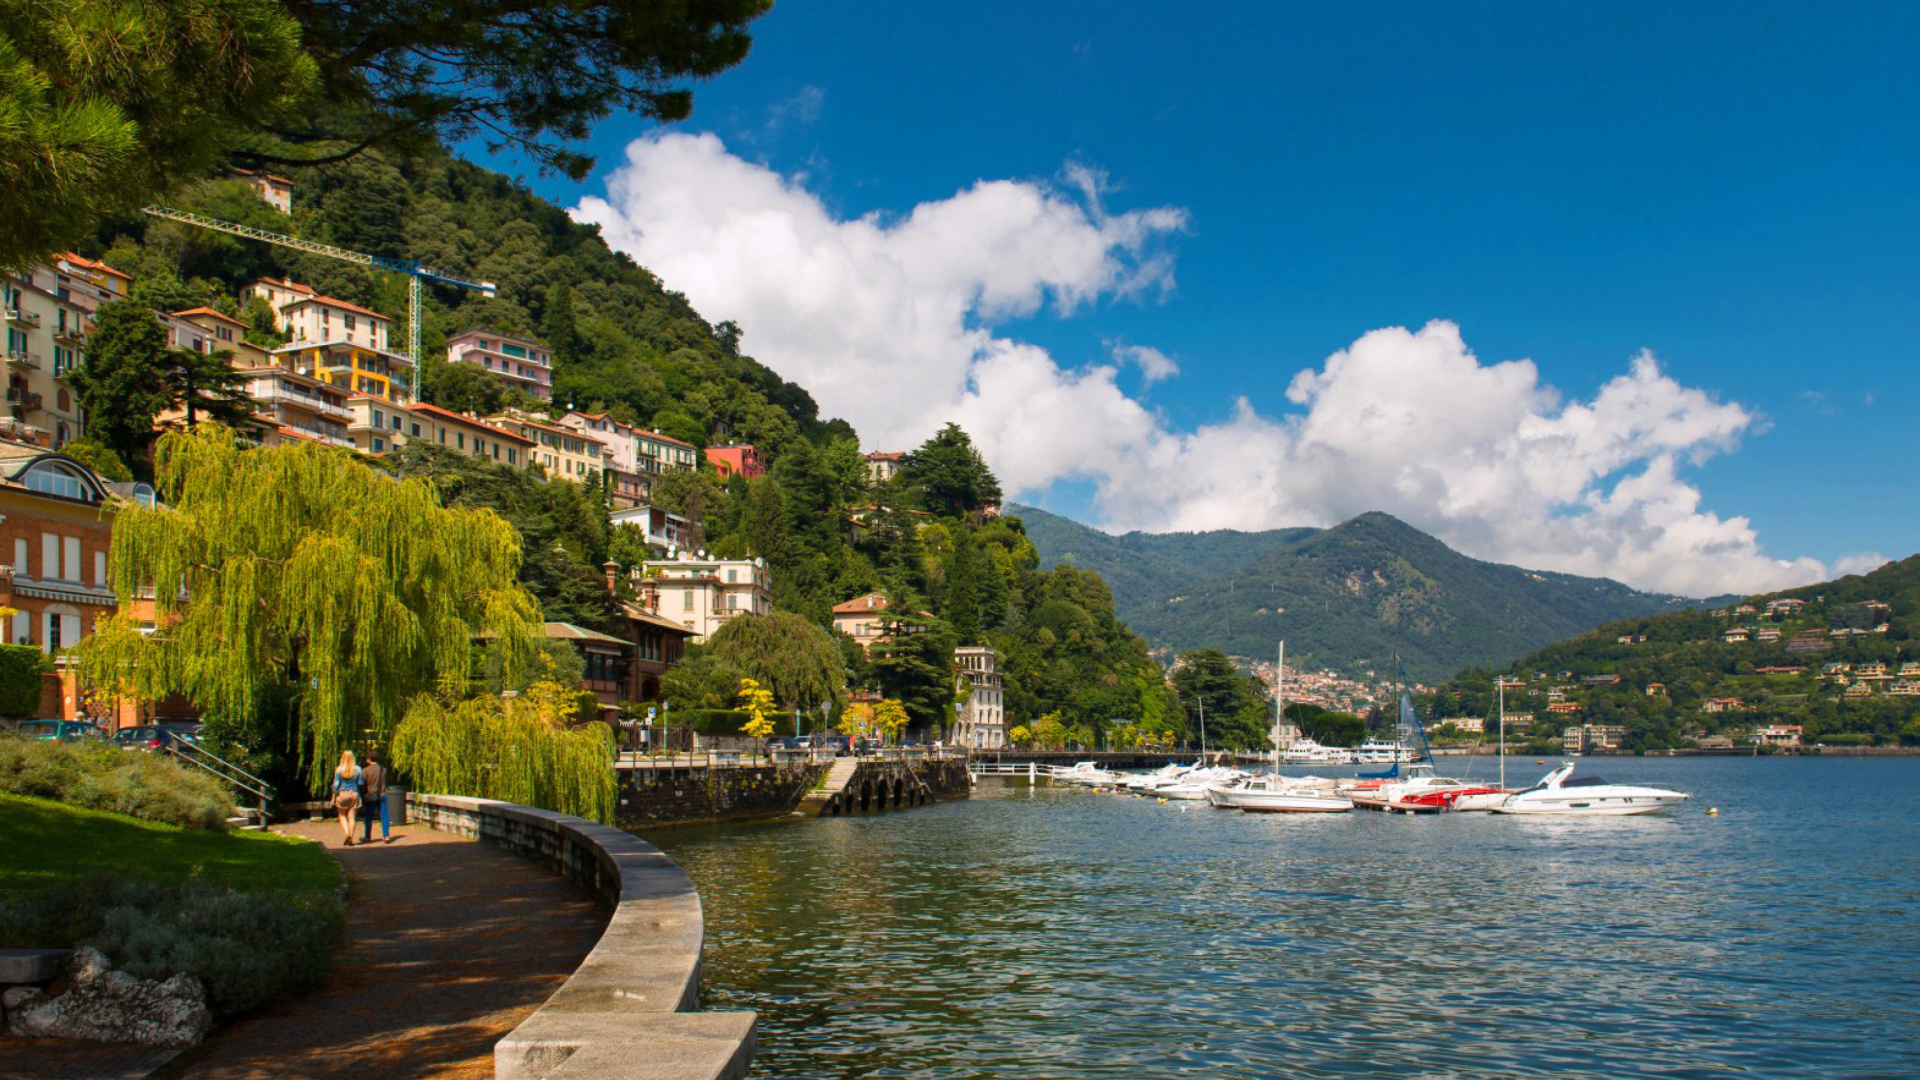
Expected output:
(533, 77)
(106, 105)
(297, 564)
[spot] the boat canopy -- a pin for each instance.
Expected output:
(1583, 781)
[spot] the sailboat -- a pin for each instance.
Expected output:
(1416, 790)
(1271, 793)
(1487, 800)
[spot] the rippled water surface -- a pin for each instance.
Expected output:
(1052, 932)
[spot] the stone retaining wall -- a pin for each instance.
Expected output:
(656, 797)
(880, 784)
(626, 1014)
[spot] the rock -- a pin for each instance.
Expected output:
(113, 1006)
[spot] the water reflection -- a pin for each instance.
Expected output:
(1059, 933)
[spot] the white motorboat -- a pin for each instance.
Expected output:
(1085, 772)
(1565, 794)
(1165, 774)
(1276, 794)
(1193, 786)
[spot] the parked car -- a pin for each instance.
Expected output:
(62, 730)
(155, 736)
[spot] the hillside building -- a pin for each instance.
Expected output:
(665, 530)
(736, 459)
(701, 594)
(521, 363)
(468, 435)
(564, 453)
(883, 465)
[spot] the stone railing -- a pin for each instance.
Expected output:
(626, 1014)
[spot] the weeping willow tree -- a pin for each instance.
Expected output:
(299, 565)
(519, 749)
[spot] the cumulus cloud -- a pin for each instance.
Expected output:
(892, 322)
(1154, 365)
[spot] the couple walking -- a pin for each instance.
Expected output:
(355, 788)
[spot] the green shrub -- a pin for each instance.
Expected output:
(20, 669)
(713, 721)
(103, 777)
(250, 949)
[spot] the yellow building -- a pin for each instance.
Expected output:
(562, 452)
(351, 368)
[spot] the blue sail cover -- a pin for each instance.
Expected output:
(1388, 775)
(1413, 734)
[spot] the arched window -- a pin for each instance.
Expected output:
(64, 479)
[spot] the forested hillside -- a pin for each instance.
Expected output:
(1348, 598)
(1841, 659)
(625, 344)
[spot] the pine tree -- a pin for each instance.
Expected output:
(299, 564)
(122, 385)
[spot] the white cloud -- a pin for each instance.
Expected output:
(1154, 365)
(890, 322)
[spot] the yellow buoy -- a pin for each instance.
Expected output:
(1713, 811)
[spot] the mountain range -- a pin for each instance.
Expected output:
(1349, 598)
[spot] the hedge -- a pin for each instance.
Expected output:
(101, 776)
(20, 669)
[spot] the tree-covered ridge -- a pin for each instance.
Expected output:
(1350, 598)
(1828, 657)
(625, 344)
(622, 342)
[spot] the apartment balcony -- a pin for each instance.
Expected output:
(23, 318)
(277, 395)
(70, 334)
(25, 399)
(21, 358)
(330, 436)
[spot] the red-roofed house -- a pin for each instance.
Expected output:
(467, 435)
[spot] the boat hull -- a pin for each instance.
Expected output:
(1279, 802)
(1613, 807)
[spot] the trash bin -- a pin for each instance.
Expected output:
(397, 805)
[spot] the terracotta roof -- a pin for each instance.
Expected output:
(470, 421)
(334, 301)
(643, 433)
(286, 284)
(228, 319)
(92, 265)
(873, 601)
(886, 455)
(555, 428)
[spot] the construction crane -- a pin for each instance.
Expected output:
(410, 267)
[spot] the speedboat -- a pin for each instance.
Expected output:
(1420, 792)
(1193, 786)
(1276, 794)
(1561, 792)
(1085, 772)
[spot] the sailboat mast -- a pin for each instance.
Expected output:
(1503, 732)
(1279, 704)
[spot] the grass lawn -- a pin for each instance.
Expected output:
(45, 842)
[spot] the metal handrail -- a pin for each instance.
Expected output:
(233, 775)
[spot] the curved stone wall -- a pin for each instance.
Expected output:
(626, 1014)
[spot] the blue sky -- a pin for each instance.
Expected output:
(1731, 189)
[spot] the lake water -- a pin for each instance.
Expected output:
(1062, 933)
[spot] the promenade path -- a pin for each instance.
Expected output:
(450, 944)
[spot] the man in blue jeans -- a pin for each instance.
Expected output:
(373, 796)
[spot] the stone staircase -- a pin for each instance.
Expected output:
(814, 802)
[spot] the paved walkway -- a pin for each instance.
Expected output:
(450, 944)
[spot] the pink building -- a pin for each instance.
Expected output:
(736, 459)
(521, 363)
